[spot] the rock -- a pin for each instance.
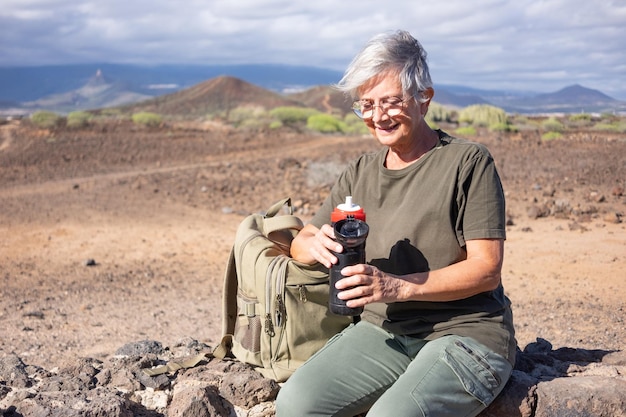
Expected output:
(584, 396)
(140, 348)
(13, 372)
(565, 382)
(196, 398)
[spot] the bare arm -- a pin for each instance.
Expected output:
(480, 272)
(314, 245)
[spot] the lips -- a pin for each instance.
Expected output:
(388, 129)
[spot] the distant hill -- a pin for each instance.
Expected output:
(216, 95)
(323, 98)
(76, 87)
(571, 99)
(97, 93)
(447, 98)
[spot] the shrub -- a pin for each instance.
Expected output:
(276, 124)
(147, 119)
(502, 127)
(483, 115)
(45, 119)
(353, 125)
(439, 113)
(78, 119)
(551, 135)
(246, 116)
(617, 126)
(552, 125)
(325, 123)
(292, 115)
(466, 131)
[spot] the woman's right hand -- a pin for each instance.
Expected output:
(315, 245)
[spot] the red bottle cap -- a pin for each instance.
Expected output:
(347, 209)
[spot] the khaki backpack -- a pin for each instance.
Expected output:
(275, 309)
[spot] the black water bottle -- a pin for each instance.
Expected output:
(351, 233)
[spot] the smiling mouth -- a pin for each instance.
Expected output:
(387, 128)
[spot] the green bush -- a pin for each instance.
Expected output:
(551, 135)
(325, 123)
(147, 119)
(354, 125)
(466, 131)
(483, 115)
(247, 116)
(502, 127)
(78, 119)
(292, 115)
(552, 125)
(617, 126)
(439, 113)
(45, 119)
(276, 124)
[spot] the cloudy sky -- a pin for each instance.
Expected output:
(539, 45)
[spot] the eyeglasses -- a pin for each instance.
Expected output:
(391, 106)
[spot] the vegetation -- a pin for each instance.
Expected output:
(438, 113)
(552, 125)
(78, 119)
(325, 123)
(551, 135)
(484, 115)
(292, 115)
(466, 131)
(353, 125)
(147, 119)
(45, 119)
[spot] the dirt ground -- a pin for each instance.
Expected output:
(115, 234)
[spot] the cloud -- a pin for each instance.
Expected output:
(527, 44)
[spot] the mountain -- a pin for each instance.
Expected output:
(446, 97)
(216, 95)
(75, 87)
(97, 93)
(21, 84)
(572, 99)
(323, 98)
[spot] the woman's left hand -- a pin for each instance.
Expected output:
(365, 284)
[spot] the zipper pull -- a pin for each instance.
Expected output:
(302, 293)
(269, 326)
(280, 310)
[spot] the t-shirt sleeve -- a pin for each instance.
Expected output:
(481, 200)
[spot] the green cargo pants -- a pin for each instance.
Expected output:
(367, 368)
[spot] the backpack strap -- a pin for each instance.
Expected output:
(272, 222)
(276, 207)
(229, 307)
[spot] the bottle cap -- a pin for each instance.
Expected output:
(345, 209)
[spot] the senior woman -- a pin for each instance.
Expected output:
(436, 337)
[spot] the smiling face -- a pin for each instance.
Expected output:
(401, 133)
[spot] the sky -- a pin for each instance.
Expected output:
(536, 45)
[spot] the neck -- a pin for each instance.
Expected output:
(401, 158)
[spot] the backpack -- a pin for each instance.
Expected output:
(275, 309)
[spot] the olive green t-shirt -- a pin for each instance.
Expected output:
(420, 218)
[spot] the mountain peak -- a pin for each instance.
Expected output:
(97, 80)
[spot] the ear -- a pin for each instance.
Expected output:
(427, 94)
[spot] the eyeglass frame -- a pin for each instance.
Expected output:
(356, 106)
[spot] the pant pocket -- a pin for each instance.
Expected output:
(471, 366)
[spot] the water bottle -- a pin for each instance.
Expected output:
(351, 233)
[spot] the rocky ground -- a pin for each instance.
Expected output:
(114, 233)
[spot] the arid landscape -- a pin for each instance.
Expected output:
(117, 233)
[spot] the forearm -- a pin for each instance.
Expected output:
(480, 272)
(301, 244)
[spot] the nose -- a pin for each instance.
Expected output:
(379, 113)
